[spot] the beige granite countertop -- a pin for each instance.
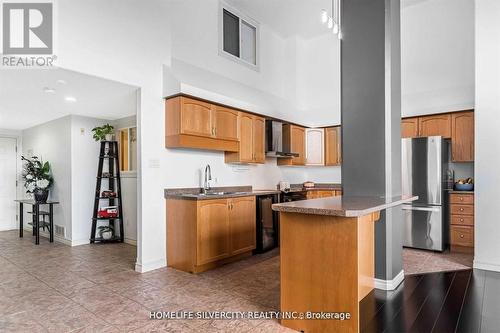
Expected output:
(343, 205)
(235, 192)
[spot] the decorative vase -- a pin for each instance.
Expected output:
(109, 137)
(41, 195)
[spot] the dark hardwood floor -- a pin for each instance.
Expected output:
(465, 301)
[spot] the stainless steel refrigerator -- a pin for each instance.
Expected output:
(425, 163)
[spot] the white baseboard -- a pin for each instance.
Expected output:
(9, 228)
(43, 234)
(131, 241)
(79, 242)
(150, 266)
(390, 284)
(486, 266)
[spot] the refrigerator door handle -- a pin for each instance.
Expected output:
(425, 209)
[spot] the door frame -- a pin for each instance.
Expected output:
(18, 139)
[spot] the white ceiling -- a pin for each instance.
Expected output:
(287, 17)
(23, 102)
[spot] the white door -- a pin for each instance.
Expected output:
(8, 176)
(315, 146)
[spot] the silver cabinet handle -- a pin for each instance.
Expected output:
(461, 236)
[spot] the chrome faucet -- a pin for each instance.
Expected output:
(208, 177)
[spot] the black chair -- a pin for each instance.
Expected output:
(42, 224)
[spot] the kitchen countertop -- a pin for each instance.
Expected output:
(342, 205)
(195, 193)
(460, 192)
(317, 187)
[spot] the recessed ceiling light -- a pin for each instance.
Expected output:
(49, 90)
(61, 82)
(70, 99)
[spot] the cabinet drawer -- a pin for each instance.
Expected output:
(461, 209)
(462, 199)
(462, 236)
(462, 220)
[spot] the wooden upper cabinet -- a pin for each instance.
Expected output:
(225, 123)
(409, 127)
(252, 136)
(212, 231)
(315, 146)
(242, 224)
(294, 140)
(333, 147)
(246, 139)
(196, 117)
(436, 125)
(259, 137)
(462, 137)
(191, 123)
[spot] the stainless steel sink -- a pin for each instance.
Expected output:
(221, 193)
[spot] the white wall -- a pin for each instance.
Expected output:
(129, 41)
(437, 55)
(68, 145)
(52, 142)
(487, 163)
(84, 162)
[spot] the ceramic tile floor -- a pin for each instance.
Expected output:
(93, 288)
(421, 262)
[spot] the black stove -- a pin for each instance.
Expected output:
(294, 194)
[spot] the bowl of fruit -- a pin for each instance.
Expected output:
(464, 185)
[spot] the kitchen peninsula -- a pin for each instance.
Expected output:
(327, 257)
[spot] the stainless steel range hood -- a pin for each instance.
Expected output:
(274, 141)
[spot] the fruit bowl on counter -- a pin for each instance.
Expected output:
(464, 185)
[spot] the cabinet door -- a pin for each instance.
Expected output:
(409, 128)
(259, 132)
(298, 144)
(462, 137)
(196, 117)
(333, 150)
(435, 125)
(246, 138)
(226, 123)
(212, 231)
(242, 223)
(312, 194)
(315, 146)
(326, 194)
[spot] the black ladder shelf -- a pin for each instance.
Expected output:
(109, 153)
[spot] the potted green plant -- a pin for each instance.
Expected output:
(37, 178)
(102, 133)
(106, 232)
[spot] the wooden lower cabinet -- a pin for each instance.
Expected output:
(212, 241)
(315, 194)
(242, 224)
(202, 234)
(461, 222)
